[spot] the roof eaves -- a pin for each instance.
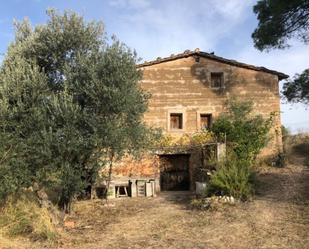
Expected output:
(189, 53)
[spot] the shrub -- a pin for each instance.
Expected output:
(22, 215)
(245, 132)
(233, 177)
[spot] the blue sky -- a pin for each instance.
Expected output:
(161, 27)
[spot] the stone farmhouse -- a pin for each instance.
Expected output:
(188, 91)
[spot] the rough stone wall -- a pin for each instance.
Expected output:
(146, 166)
(183, 86)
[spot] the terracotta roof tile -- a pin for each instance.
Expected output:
(212, 56)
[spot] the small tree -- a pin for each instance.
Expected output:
(69, 98)
(246, 134)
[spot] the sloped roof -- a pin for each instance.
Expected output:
(212, 56)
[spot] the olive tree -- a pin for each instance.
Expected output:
(70, 99)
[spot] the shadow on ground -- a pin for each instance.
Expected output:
(301, 151)
(177, 197)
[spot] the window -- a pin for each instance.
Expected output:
(216, 80)
(205, 120)
(176, 121)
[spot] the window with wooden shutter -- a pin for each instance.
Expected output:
(205, 121)
(176, 121)
(216, 80)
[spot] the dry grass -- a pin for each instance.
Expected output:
(21, 216)
(278, 217)
(297, 148)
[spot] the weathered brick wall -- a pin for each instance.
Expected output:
(183, 85)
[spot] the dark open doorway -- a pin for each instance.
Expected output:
(174, 172)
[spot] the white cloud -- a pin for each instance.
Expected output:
(159, 28)
(289, 61)
(134, 4)
(165, 27)
(229, 9)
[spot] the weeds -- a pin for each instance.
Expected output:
(22, 215)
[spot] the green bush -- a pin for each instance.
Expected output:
(245, 132)
(233, 177)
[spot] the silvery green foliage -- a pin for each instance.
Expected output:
(68, 96)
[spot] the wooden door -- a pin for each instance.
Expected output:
(174, 172)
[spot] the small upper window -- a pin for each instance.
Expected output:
(205, 120)
(176, 121)
(216, 80)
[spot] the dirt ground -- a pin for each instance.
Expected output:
(278, 217)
